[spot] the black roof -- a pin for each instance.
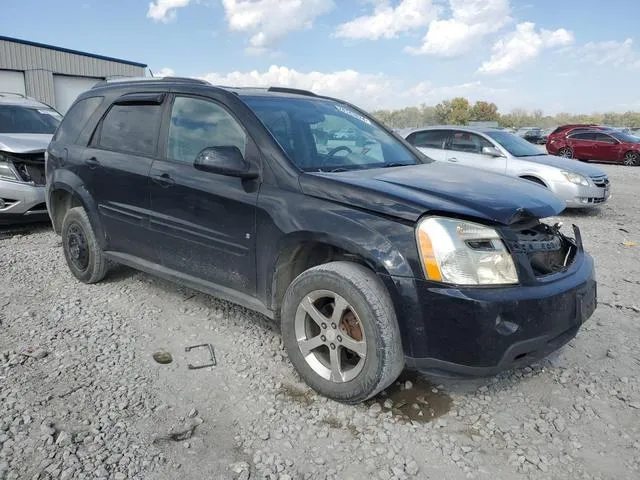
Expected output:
(68, 50)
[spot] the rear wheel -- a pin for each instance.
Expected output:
(631, 159)
(565, 152)
(340, 330)
(81, 250)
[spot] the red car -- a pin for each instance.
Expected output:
(594, 142)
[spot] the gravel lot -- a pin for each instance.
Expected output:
(82, 397)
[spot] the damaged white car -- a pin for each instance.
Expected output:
(26, 128)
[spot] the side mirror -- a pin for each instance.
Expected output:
(227, 160)
(492, 152)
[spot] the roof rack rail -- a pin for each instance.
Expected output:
(291, 90)
(125, 80)
(13, 94)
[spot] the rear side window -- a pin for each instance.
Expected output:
(76, 119)
(131, 128)
(429, 138)
(583, 136)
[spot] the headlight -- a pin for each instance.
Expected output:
(576, 178)
(463, 253)
(6, 169)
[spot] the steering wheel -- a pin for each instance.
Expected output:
(333, 151)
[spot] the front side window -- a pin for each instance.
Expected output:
(197, 124)
(603, 137)
(320, 135)
(429, 138)
(20, 119)
(467, 142)
(131, 128)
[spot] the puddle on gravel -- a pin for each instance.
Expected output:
(423, 402)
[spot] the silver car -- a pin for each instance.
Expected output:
(579, 184)
(26, 128)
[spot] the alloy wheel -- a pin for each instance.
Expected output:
(565, 152)
(330, 336)
(630, 159)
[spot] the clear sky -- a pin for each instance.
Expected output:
(577, 56)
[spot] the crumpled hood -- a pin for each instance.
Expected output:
(567, 164)
(410, 192)
(24, 142)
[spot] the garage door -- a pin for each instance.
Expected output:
(67, 89)
(11, 81)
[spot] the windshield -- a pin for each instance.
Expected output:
(624, 137)
(18, 119)
(515, 145)
(321, 135)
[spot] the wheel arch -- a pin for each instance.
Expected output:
(66, 191)
(533, 178)
(300, 251)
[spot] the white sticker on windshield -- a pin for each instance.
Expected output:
(346, 111)
(53, 113)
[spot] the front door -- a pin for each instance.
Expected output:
(204, 223)
(465, 148)
(115, 168)
(606, 148)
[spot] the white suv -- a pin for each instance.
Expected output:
(26, 128)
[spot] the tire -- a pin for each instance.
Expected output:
(81, 249)
(368, 323)
(565, 152)
(631, 159)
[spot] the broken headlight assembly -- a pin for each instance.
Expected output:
(7, 170)
(464, 253)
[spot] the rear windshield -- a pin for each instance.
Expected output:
(320, 135)
(19, 119)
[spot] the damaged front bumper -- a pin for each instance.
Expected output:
(478, 331)
(22, 198)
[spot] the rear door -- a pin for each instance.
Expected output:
(583, 145)
(116, 168)
(203, 223)
(430, 142)
(465, 148)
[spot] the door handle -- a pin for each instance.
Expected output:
(453, 159)
(163, 180)
(92, 162)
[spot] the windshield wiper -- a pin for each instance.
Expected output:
(397, 164)
(533, 155)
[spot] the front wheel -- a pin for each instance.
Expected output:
(631, 159)
(340, 331)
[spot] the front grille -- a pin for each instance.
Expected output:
(30, 166)
(542, 247)
(600, 181)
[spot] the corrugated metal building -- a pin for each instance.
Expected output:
(54, 75)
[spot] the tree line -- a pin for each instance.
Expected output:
(459, 111)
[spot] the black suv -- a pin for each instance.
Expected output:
(370, 256)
